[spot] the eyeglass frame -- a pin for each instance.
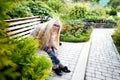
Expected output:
(56, 25)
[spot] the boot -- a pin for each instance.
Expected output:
(65, 69)
(57, 71)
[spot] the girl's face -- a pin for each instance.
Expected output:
(56, 26)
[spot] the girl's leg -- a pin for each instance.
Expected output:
(61, 67)
(55, 61)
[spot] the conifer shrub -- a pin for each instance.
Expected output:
(19, 60)
(7, 66)
(30, 65)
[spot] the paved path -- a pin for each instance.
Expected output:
(69, 54)
(103, 63)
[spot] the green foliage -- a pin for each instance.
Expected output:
(118, 8)
(30, 66)
(56, 5)
(7, 66)
(116, 18)
(114, 3)
(39, 8)
(64, 18)
(29, 8)
(113, 12)
(78, 12)
(24, 51)
(98, 11)
(19, 11)
(74, 32)
(75, 0)
(96, 19)
(43, 68)
(77, 37)
(4, 6)
(18, 59)
(116, 38)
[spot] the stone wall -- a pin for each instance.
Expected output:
(100, 25)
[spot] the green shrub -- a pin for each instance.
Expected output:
(78, 12)
(118, 8)
(39, 8)
(68, 13)
(7, 66)
(19, 60)
(42, 68)
(64, 18)
(56, 5)
(4, 6)
(29, 65)
(19, 11)
(116, 38)
(116, 18)
(96, 19)
(91, 19)
(98, 11)
(30, 8)
(114, 3)
(64, 13)
(113, 12)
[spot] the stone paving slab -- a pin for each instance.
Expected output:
(68, 54)
(103, 62)
(79, 72)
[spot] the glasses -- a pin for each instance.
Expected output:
(56, 25)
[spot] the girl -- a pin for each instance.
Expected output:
(48, 34)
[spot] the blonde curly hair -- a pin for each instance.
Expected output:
(43, 31)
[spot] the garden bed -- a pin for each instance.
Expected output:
(76, 33)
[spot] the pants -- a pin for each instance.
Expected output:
(55, 60)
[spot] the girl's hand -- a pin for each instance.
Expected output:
(56, 53)
(49, 49)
